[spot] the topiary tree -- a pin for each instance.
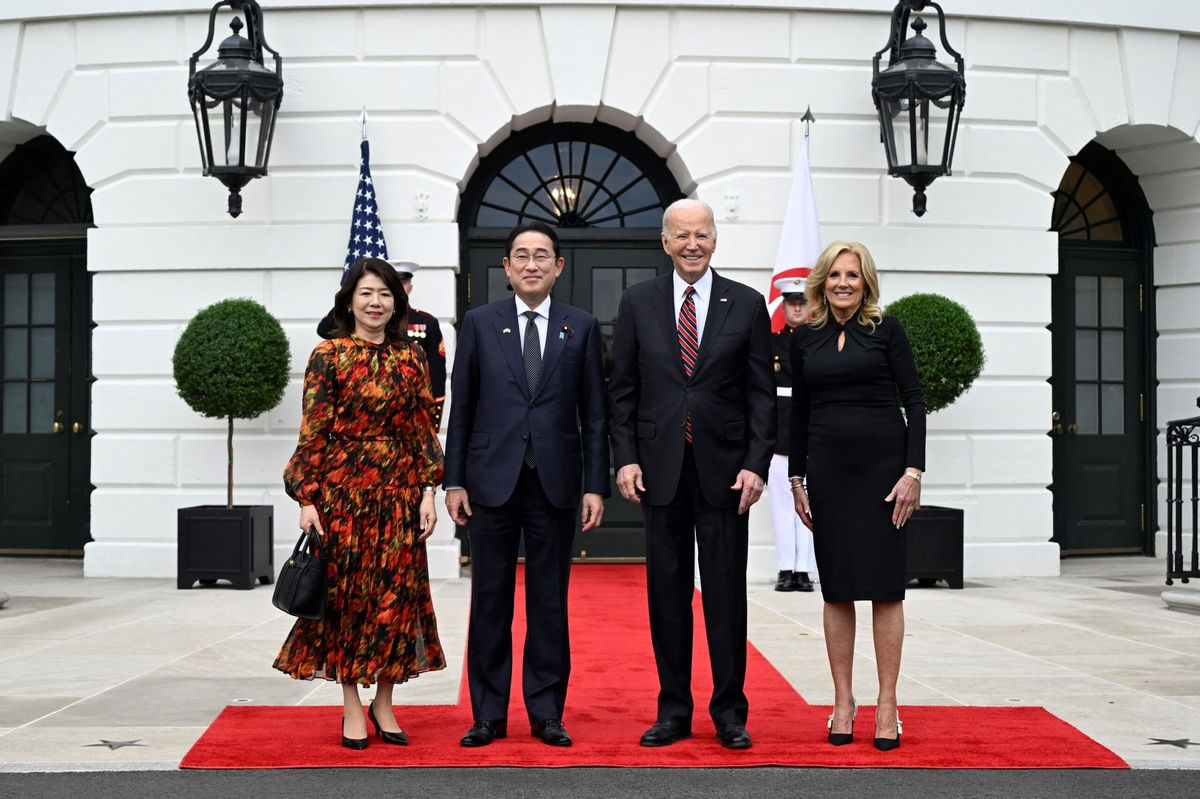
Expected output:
(232, 363)
(946, 346)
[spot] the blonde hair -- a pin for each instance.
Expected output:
(869, 313)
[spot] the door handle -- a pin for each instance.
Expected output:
(58, 428)
(1057, 430)
(76, 428)
(1072, 429)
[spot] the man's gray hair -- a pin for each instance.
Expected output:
(686, 203)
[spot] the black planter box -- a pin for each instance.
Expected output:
(935, 546)
(220, 543)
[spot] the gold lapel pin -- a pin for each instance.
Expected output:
(724, 299)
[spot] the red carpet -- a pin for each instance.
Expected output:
(612, 701)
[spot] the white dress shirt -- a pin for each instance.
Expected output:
(541, 321)
(702, 298)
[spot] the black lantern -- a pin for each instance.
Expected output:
(243, 95)
(917, 95)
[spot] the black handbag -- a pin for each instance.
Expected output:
(300, 589)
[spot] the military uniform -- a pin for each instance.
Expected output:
(423, 328)
(793, 541)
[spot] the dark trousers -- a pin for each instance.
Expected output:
(672, 533)
(495, 536)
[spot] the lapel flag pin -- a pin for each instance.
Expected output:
(506, 330)
(723, 299)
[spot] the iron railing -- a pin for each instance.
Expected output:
(1183, 442)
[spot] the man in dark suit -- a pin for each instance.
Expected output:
(693, 428)
(527, 432)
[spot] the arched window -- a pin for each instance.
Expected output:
(41, 185)
(570, 175)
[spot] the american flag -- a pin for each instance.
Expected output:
(366, 234)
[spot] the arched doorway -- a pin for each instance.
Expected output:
(1103, 360)
(605, 191)
(45, 361)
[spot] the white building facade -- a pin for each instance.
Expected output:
(1085, 299)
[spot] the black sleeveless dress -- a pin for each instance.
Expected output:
(850, 439)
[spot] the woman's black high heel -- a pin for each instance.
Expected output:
(353, 743)
(397, 738)
(888, 744)
(843, 738)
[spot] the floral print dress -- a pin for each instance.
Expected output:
(367, 446)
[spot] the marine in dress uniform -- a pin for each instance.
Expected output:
(423, 328)
(793, 541)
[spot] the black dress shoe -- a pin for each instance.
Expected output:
(397, 738)
(733, 736)
(888, 744)
(551, 731)
(800, 582)
(353, 743)
(785, 583)
(666, 732)
(483, 733)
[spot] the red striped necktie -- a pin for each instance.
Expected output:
(689, 344)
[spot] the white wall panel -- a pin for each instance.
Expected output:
(135, 460)
(82, 109)
(422, 31)
(772, 88)
(514, 48)
(1063, 114)
(152, 39)
(1096, 65)
(47, 58)
(1013, 45)
(473, 98)
(637, 58)
(337, 34)
(680, 100)
(1149, 57)
(993, 97)
(712, 34)
(578, 40)
(10, 41)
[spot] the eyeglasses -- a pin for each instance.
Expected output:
(523, 258)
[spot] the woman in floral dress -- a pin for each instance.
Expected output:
(363, 473)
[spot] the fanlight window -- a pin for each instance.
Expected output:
(1084, 209)
(41, 185)
(570, 183)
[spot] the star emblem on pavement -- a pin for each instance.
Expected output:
(117, 744)
(1180, 743)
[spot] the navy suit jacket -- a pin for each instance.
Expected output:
(492, 413)
(731, 393)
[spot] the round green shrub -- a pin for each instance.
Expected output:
(945, 343)
(232, 361)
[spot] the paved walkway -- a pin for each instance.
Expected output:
(115, 660)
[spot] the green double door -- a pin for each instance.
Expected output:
(596, 274)
(44, 377)
(1100, 423)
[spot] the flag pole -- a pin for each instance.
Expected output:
(808, 119)
(363, 120)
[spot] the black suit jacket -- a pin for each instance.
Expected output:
(492, 413)
(731, 393)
